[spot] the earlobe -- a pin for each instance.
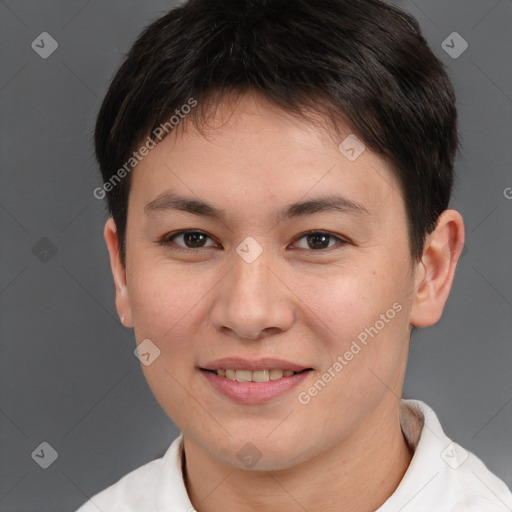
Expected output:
(436, 270)
(118, 272)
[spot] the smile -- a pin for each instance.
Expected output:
(254, 376)
(253, 387)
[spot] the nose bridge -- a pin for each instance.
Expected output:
(252, 274)
(249, 283)
(250, 263)
(251, 299)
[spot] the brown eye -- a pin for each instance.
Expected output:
(320, 240)
(191, 239)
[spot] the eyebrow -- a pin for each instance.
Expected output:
(167, 201)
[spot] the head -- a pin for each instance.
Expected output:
(308, 149)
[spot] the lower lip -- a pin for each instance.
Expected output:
(254, 393)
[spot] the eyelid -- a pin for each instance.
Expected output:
(341, 240)
(166, 240)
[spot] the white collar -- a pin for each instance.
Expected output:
(442, 477)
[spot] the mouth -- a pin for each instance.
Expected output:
(262, 375)
(257, 386)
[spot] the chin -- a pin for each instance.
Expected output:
(261, 454)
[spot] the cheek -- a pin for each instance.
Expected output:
(361, 321)
(342, 305)
(165, 304)
(167, 309)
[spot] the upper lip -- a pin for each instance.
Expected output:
(237, 363)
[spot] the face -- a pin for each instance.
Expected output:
(262, 267)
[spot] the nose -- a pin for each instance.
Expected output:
(253, 301)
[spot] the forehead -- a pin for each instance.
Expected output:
(255, 155)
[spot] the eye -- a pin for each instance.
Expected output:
(319, 240)
(193, 240)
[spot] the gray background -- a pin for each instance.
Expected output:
(68, 373)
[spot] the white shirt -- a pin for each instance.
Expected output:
(442, 477)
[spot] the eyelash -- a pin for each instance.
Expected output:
(168, 242)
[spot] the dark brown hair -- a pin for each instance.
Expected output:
(363, 62)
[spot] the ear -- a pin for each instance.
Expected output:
(436, 270)
(119, 273)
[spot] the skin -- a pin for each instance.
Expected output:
(344, 450)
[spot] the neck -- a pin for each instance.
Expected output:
(358, 475)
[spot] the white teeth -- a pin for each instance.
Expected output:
(243, 375)
(276, 374)
(256, 376)
(260, 376)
